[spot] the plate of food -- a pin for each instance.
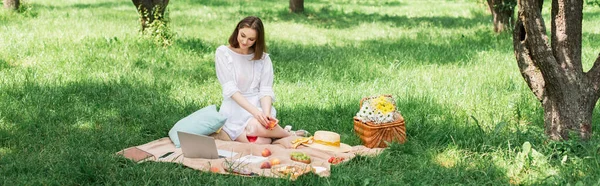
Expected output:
(292, 171)
(300, 157)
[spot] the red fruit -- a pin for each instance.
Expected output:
(271, 124)
(266, 152)
(275, 161)
(215, 169)
(265, 165)
(335, 160)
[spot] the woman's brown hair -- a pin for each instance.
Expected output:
(259, 45)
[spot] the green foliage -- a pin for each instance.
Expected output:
(77, 84)
(158, 30)
(160, 33)
(507, 5)
(593, 2)
(26, 10)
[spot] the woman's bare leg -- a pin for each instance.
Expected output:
(242, 138)
(260, 140)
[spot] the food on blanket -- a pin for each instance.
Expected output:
(275, 161)
(215, 169)
(265, 165)
(291, 171)
(300, 157)
(335, 160)
(288, 171)
(272, 123)
(266, 152)
(300, 141)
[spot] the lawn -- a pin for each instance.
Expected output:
(78, 83)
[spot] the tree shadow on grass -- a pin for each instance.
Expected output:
(292, 62)
(295, 62)
(73, 130)
(195, 45)
(327, 17)
(228, 3)
(86, 5)
(592, 37)
(4, 64)
(361, 3)
(322, 15)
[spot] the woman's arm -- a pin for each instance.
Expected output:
(260, 116)
(266, 94)
(265, 104)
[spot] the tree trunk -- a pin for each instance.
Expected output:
(297, 6)
(11, 4)
(502, 12)
(150, 10)
(553, 71)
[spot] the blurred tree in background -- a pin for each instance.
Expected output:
(297, 6)
(502, 13)
(11, 4)
(150, 10)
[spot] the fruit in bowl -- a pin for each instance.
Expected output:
(300, 157)
(335, 160)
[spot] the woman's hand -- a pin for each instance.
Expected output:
(262, 118)
(272, 122)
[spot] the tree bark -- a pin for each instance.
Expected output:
(150, 10)
(553, 70)
(11, 4)
(297, 6)
(502, 13)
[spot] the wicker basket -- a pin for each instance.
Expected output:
(376, 135)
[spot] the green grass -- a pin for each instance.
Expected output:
(78, 83)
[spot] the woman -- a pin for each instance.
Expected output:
(245, 73)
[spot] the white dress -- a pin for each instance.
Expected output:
(252, 78)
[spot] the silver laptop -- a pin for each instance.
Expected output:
(200, 146)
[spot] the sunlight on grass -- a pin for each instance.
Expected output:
(84, 125)
(449, 157)
(527, 167)
(4, 125)
(4, 151)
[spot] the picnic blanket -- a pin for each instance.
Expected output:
(280, 149)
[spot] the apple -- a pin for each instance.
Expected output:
(266, 152)
(215, 169)
(265, 165)
(272, 123)
(275, 161)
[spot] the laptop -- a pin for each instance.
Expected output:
(201, 146)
